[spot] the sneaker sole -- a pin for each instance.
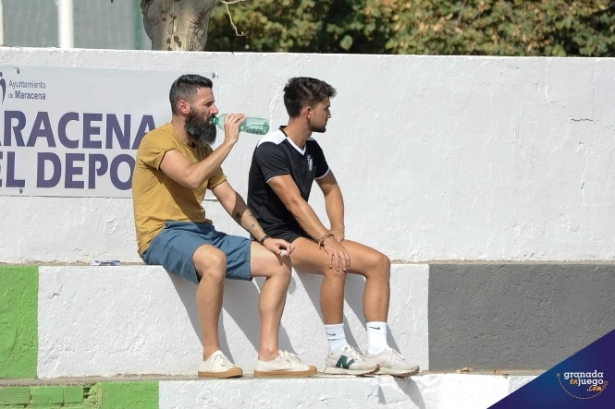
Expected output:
(355, 372)
(398, 374)
(231, 373)
(286, 373)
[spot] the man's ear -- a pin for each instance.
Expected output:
(183, 106)
(308, 111)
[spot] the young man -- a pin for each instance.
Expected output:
(174, 167)
(284, 166)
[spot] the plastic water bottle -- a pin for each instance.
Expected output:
(258, 126)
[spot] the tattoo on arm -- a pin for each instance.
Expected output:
(253, 226)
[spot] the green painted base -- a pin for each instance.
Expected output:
(104, 395)
(19, 322)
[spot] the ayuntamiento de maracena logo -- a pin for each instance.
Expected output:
(23, 90)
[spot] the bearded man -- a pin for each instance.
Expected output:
(174, 167)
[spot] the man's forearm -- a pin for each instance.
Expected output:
(202, 170)
(244, 217)
(308, 220)
(334, 204)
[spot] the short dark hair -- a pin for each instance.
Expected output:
(185, 87)
(305, 91)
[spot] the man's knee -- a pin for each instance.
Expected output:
(384, 264)
(282, 270)
(211, 262)
(334, 273)
(380, 266)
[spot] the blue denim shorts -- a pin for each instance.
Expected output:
(175, 245)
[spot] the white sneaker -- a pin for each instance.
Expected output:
(349, 362)
(286, 364)
(219, 366)
(392, 363)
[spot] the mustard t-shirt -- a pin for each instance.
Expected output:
(156, 197)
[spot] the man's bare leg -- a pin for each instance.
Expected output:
(276, 270)
(374, 266)
(371, 264)
(210, 265)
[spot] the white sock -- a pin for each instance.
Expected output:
(376, 337)
(336, 337)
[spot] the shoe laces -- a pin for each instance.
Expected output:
(353, 352)
(290, 357)
(397, 355)
(224, 361)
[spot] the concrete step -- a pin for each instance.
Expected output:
(137, 319)
(425, 391)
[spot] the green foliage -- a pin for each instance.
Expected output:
(478, 27)
(327, 26)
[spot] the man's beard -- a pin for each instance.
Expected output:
(319, 129)
(200, 130)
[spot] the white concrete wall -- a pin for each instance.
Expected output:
(440, 158)
(105, 321)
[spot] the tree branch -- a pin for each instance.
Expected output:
(228, 11)
(509, 11)
(463, 7)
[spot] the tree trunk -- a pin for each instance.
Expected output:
(177, 25)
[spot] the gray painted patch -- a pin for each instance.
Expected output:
(516, 316)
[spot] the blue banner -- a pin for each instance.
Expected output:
(585, 380)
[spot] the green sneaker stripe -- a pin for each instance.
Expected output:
(343, 362)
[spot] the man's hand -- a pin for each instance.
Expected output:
(231, 127)
(338, 256)
(278, 247)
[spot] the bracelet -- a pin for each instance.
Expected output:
(321, 241)
(261, 241)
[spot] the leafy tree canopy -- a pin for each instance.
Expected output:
(478, 27)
